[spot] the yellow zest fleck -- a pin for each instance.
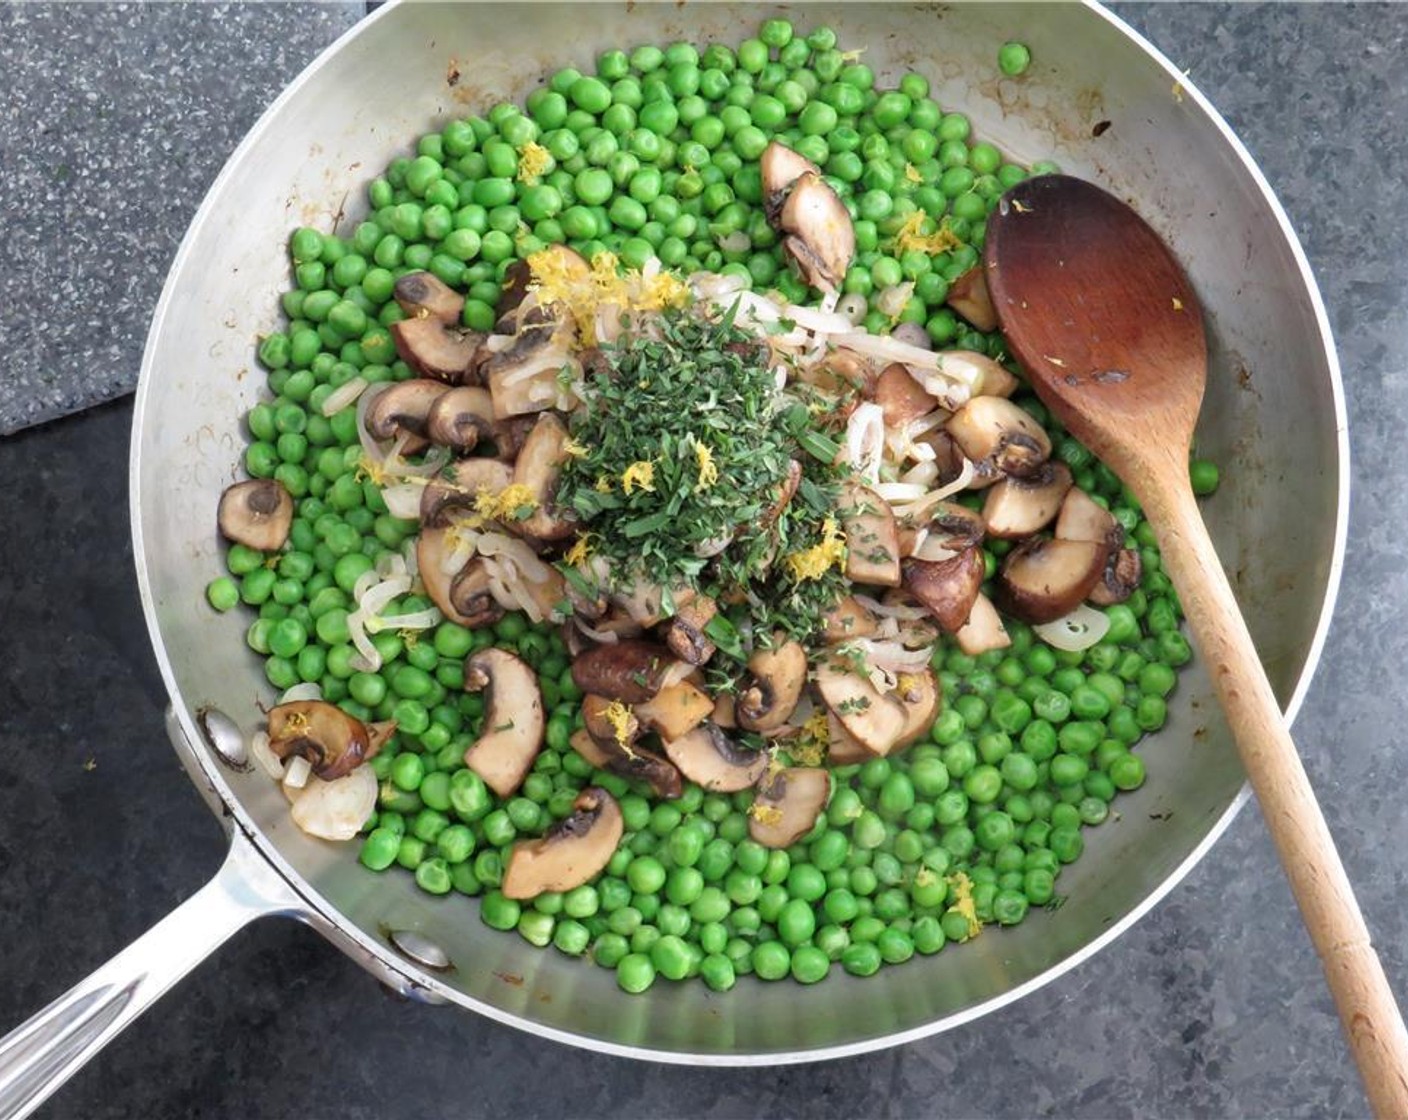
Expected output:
(572, 449)
(603, 484)
(1178, 92)
(295, 723)
(1019, 207)
(461, 533)
(810, 746)
(578, 553)
(814, 562)
(1177, 304)
(603, 285)
(368, 469)
(708, 469)
(963, 902)
(409, 638)
(908, 683)
(640, 475)
(911, 237)
(852, 56)
(765, 814)
(619, 717)
(512, 503)
(662, 290)
(911, 173)
(534, 161)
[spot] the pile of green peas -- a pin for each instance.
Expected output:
(656, 155)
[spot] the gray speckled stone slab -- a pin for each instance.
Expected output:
(1213, 1005)
(116, 119)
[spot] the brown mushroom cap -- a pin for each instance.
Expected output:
(631, 671)
(875, 719)
(983, 631)
(901, 398)
(1121, 577)
(947, 587)
(847, 620)
(953, 526)
(842, 749)
(1082, 518)
(513, 721)
(968, 295)
(772, 688)
(787, 805)
(256, 514)
(780, 167)
(1041, 580)
(920, 695)
(436, 351)
(422, 294)
(330, 739)
(459, 418)
(684, 634)
(996, 432)
(473, 600)
(872, 538)
(622, 755)
(574, 851)
(403, 407)
(539, 466)
(711, 759)
(1018, 507)
(675, 710)
(823, 240)
(444, 496)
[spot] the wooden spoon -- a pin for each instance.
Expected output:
(1100, 314)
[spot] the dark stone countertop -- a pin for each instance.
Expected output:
(1212, 1005)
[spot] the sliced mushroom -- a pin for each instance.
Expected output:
(968, 295)
(472, 596)
(1018, 507)
(947, 587)
(630, 671)
(517, 281)
(780, 167)
(874, 718)
(772, 688)
(331, 740)
(523, 376)
(919, 693)
(847, 620)
(711, 759)
(839, 371)
(994, 431)
(1041, 580)
(573, 852)
(539, 466)
(675, 710)
(423, 294)
(433, 548)
(513, 720)
(724, 714)
(913, 633)
(403, 407)
(1082, 518)
(901, 398)
(842, 748)
(615, 749)
(459, 418)
(822, 240)
(436, 351)
(256, 514)
(511, 434)
(787, 805)
(1121, 577)
(983, 631)
(954, 527)
(872, 538)
(512, 290)
(379, 734)
(458, 493)
(948, 456)
(684, 633)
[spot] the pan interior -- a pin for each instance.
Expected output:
(1272, 420)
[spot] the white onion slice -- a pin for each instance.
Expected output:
(893, 656)
(932, 551)
(413, 620)
(304, 690)
(892, 300)
(370, 448)
(736, 242)
(605, 637)
(264, 756)
(891, 610)
(973, 369)
(403, 500)
(865, 440)
(344, 395)
(383, 593)
(297, 773)
(820, 322)
(1076, 631)
(337, 810)
(365, 582)
(393, 564)
(924, 474)
(368, 660)
(900, 491)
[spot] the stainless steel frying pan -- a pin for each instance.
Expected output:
(1274, 418)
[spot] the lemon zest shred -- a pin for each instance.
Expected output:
(578, 553)
(640, 475)
(619, 717)
(572, 449)
(534, 161)
(963, 902)
(814, 562)
(911, 173)
(508, 504)
(604, 284)
(366, 469)
(765, 814)
(602, 484)
(906, 683)
(909, 238)
(708, 469)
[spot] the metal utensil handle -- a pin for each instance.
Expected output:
(40, 1055)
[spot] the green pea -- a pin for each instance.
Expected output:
(1013, 58)
(635, 972)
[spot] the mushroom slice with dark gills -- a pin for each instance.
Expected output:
(1121, 577)
(460, 418)
(256, 514)
(425, 295)
(459, 492)
(822, 240)
(902, 400)
(995, 433)
(1018, 507)
(513, 722)
(573, 852)
(787, 805)
(631, 671)
(331, 740)
(472, 597)
(968, 295)
(708, 757)
(1041, 580)
(403, 407)
(947, 587)
(539, 466)
(774, 683)
(437, 351)
(523, 375)
(684, 633)
(612, 730)
(780, 167)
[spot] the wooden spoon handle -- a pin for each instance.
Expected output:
(1371, 1018)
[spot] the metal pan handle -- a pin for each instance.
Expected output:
(39, 1056)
